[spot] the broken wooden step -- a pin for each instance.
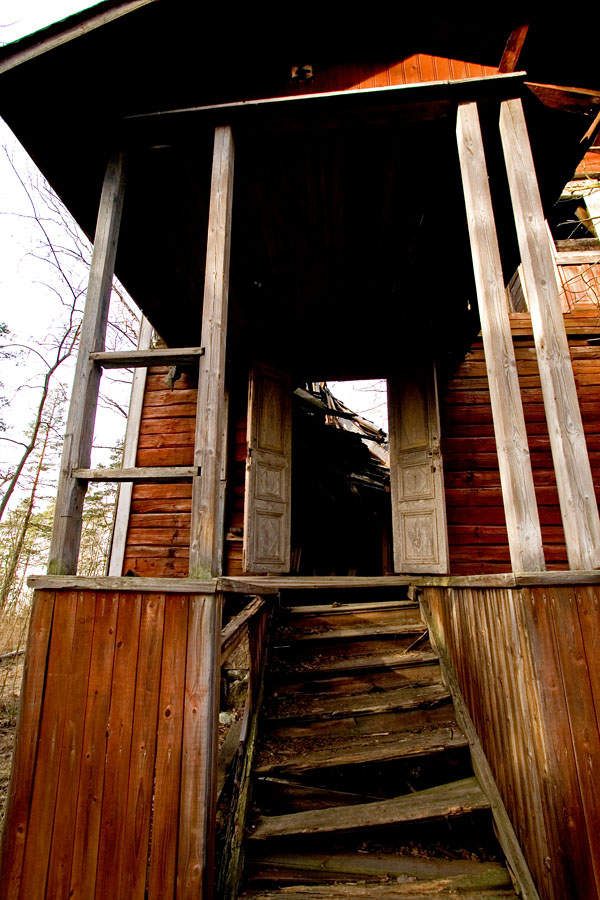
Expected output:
(352, 614)
(444, 801)
(305, 709)
(349, 660)
(426, 890)
(410, 674)
(319, 868)
(372, 748)
(287, 633)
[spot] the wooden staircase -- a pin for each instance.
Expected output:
(363, 781)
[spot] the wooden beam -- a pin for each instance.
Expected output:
(147, 473)
(118, 584)
(90, 23)
(132, 432)
(512, 51)
(143, 357)
(207, 495)
(66, 533)
(518, 494)
(199, 765)
(578, 505)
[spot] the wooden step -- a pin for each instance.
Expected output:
(317, 666)
(426, 890)
(366, 749)
(120, 359)
(303, 635)
(318, 868)
(300, 708)
(395, 722)
(362, 681)
(445, 801)
(405, 610)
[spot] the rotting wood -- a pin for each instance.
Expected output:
(132, 431)
(445, 801)
(206, 539)
(506, 833)
(237, 626)
(230, 747)
(144, 357)
(197, 816)
(304, 797)
(138, 474)
(353, 891)
(578, 505)
(348, 753)
(518, 494)
(66, 532)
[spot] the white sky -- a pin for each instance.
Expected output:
(21, 17)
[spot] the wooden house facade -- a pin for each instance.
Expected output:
(337, 204)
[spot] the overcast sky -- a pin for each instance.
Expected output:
(21, 17)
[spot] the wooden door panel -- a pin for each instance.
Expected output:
(417, 483)
(267, 513)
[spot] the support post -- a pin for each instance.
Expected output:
(577, 498)
(132, 433)
(66, 533)
(207, 494)
(518, 494)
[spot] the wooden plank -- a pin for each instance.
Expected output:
(506, 833)
(66, 531)
(205, 544)
(43, 801)
(118, 744)
(512, 50)
(133, 852)
(344, 752)
(160, 585)
(132, 431)
(20, 790)
(520, 506)
(163, 844)
(448, 800)
(237, 624)
(571, 462)
(59, 872)
(144, 357)
(148, 473)
(195, 860)
(427, 889)
(92, 771)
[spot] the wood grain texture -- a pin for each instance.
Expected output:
(66, 532)
(205, 544)
(520, 506)
(571, 462)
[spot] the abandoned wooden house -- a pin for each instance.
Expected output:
(422, 699)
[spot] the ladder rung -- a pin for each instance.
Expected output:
(126, 359)
(147, 473)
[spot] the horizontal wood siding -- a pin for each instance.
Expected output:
(527, 666)
(414, 69)
(94, 810)
(476, 523)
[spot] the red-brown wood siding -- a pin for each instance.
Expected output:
(415, 69)
(527, 663)
(476, 523)
(97, 804)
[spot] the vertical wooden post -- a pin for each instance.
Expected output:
(198, 807)
(206, 524)
(520, 507)
(66, 533)
(578, 505)
(132, 433)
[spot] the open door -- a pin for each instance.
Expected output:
(417, 479)
(267, 508)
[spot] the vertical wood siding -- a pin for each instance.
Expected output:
(527, 666)
(476, 523)
(99, 804)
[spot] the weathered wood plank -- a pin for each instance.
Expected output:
(147, 473)
(132, 431)
(520, 506)
(24, 761)
(206, 515)
(571, 462)
(457, 798)
(144, 357)
(66, 532)
(146, 585)
(427, 890)
(118, 744)
(197, 816)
